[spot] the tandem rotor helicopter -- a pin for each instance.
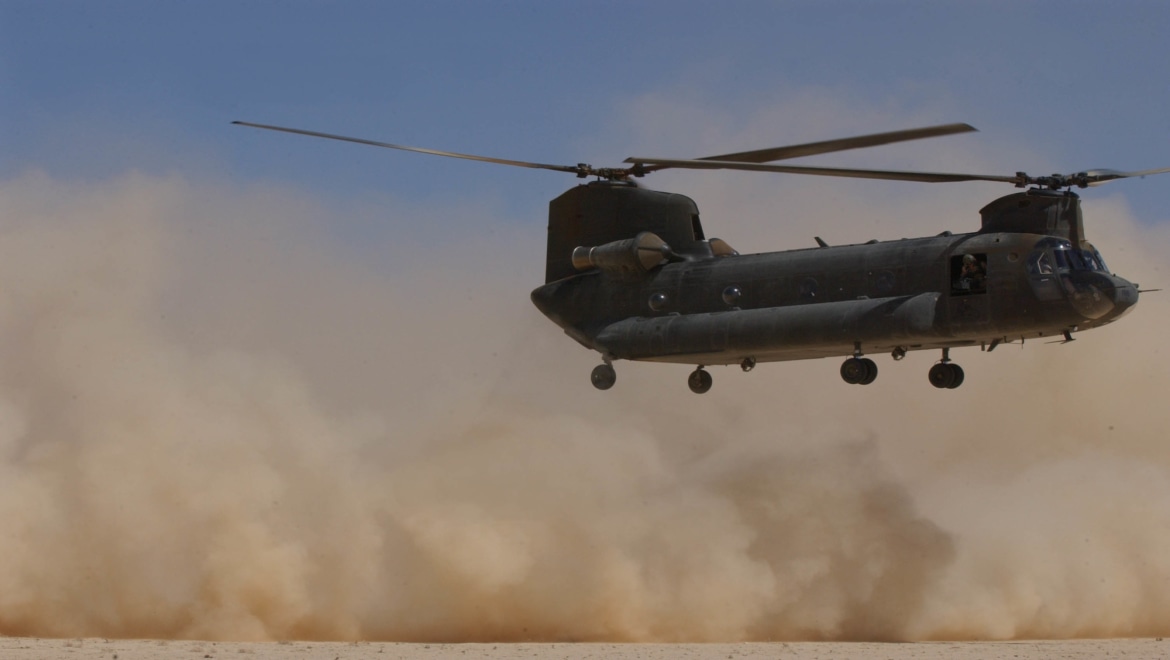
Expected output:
(631, 274)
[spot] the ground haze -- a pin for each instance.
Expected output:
(219, 420)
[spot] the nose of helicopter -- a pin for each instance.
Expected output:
(1124, 295)
(1099, 297)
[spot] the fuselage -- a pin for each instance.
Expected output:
(912, 294)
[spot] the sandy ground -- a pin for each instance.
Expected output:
(22, 648)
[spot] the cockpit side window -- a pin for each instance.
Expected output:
(968, 274)
(1061, 259)
(697, 227)
(1039, 263)
(1100, 262)
(1064, 257)
(1071, 259)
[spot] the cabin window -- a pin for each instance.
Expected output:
(883, 283)
(968, 274)
(808, 289)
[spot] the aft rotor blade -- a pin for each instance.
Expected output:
(580, 170)
(1098, 177)
(891, 175)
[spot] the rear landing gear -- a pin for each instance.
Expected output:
(946, 374)
(859, 371)
(699, 380)
(603, 376)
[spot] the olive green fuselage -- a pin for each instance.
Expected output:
(901, 295)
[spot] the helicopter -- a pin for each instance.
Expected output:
(631, 274)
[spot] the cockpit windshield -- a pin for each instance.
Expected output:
(1064, 257)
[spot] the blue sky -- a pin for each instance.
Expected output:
(92, 89)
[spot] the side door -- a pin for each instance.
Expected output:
(969, 296)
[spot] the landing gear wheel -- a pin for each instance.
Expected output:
(941, 376)
(853, 371)
(946, 375)
(699, 381)
(603, 376)
(858, 371)
(959, 376)
(870, 371)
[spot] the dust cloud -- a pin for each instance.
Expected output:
(222, 419)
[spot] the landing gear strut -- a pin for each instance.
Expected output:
(699, 380)
(603, 376)
(946, 374)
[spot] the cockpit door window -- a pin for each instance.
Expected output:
(1039, 263)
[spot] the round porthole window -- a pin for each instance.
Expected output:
(731, 295)
(883, 283)
(808, 289)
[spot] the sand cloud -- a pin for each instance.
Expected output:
(220, 419)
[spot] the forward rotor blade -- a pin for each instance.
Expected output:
(829, 146)
(891, 175)
(842, 144)
(580, 170)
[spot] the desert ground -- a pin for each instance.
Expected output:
(22, 648)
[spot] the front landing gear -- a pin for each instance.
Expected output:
(859, 371)
(603, 376)
(946, 374)
(699, 381)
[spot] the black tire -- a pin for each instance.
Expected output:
(941, 375)
(603, 376)
(699, 381)
(870, 371)
(854, 371)
(958, 376)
